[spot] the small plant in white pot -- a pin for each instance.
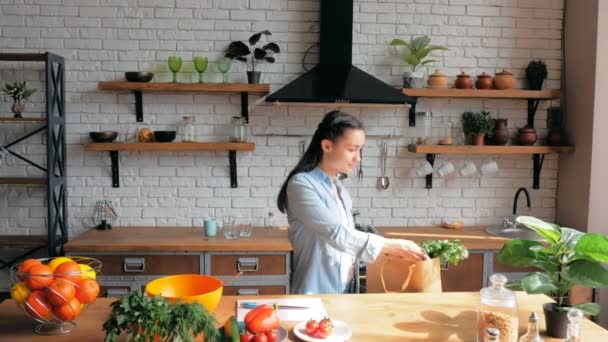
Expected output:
(415, 54)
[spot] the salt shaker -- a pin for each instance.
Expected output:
(575, 318)
(532, 335)
(491, 335)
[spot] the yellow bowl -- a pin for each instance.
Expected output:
(188, 288)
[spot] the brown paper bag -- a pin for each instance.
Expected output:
(393, 274)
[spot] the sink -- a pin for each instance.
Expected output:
(514, 233)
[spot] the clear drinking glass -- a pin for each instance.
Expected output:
(200, 65)
(229, 228)
(239, 129)
(188, 130)
(223, 65)
(245, 230)
(175, 64)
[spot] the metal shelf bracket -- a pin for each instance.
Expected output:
(538, 160)
(430, 157)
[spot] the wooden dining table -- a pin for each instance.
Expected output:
(372, 317)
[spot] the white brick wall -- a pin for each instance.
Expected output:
(101, 39)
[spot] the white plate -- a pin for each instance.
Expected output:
(341, 332)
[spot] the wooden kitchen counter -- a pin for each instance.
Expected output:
(373, 317)
(181, 239)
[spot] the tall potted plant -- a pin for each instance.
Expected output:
(567, 257)
(477, 126)
(536, 73)
(19, 93)
(415, 54)
(253, 55)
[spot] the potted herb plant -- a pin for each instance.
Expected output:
(565, 258)
(145, 318)
(448, 252)
(253, 55)
(415, 54)
(478, 126)
(19, 93)
(536, 73)
(555, 137)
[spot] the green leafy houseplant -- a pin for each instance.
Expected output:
(18, 91)
(252, 55)
(478, 124)
(536, 73)
(568, 257)
(449, 252)
(145, 318)
(417, 50)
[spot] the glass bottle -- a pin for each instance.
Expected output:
(239, 129)
(491, 335)
(498, 309)
(188, 132)
(575, 318)
(532, 335)
(446, 133)
(423, 120)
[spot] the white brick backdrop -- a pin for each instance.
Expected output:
(101, 39)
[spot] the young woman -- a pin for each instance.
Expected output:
(326, 244)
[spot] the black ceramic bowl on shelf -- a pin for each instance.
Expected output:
(164, 136)
(105, 136)
(139, 76)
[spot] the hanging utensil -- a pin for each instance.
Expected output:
(302, 147)
(360, 172)
(384, 181)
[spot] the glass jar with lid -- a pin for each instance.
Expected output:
(239, 129)
(446, 133)
(423, 120)
(498, 309)
(188, 129)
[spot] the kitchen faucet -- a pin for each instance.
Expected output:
(513, 223)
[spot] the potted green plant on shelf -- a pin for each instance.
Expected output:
(565, 258)
(253, 55)
(415, 54)
(555, 137)
(536, 73)
(478, 126)
(19, 93)
(145, 318)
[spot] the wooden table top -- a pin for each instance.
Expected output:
(373, 317)
(181, 239)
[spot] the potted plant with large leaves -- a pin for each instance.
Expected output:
(565, 258)
(253, 55)
(415, 54)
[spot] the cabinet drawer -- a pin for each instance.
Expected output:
(114, 291)
(149, 264)
(466, 277)
(254, 290)
(249, 264)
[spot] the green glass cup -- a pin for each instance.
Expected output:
(175, 64)
(200, 65)
(223, 65)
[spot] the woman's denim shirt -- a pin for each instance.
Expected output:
(318, 236)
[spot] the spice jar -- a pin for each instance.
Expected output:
(498, 309)
(239, 129)
(188, 130)
(423, 120)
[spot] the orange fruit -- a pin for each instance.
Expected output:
(25, 266)
(69, 271)
(37, 306)
(60, 292)
(67, 312)
(39, 276)
(87, 290)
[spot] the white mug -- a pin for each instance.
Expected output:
(424, 169)
(489, 167)
(468, 169)
(445, 169)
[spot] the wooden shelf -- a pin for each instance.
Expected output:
(22, 119)
(171, 146)
(483, 93)
(469, 149)
(23, 180)
(23, 240)
(25, 57)
(165, 87)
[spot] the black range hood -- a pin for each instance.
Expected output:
(335, 79)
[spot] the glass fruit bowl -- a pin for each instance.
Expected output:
(55, 291)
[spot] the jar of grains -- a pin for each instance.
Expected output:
(498, 309)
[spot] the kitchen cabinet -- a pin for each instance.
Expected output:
(466, 276)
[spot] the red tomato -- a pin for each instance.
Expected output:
(325, 328)
(311, 327)
(272, 336)
(246, 336)
(259, 338)
(262, 319)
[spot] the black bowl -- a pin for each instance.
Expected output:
(105, 136)
(139, 76)
(164, 136)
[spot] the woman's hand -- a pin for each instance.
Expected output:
(405, 249)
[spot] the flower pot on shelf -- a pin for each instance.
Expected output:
(463, 81)
(484, 81)
(555, 137)
(535, 83)
(253, 77)
(413, 80)
(501, 132)
(556, 321)
(18, 108)
(478, 139)
(504, 80)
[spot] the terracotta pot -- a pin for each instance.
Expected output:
(17, 109)
(478, 139)
(501, 132)
(555, 321)
(527, 136)
(437, 80)
(504, 80)
(555, 137)
(463, 81)
(484, 81)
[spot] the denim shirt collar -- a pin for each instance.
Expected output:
(321, 176)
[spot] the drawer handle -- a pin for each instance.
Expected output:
(116, 293)
(247, 264)
(247, 292)
(134, 265)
